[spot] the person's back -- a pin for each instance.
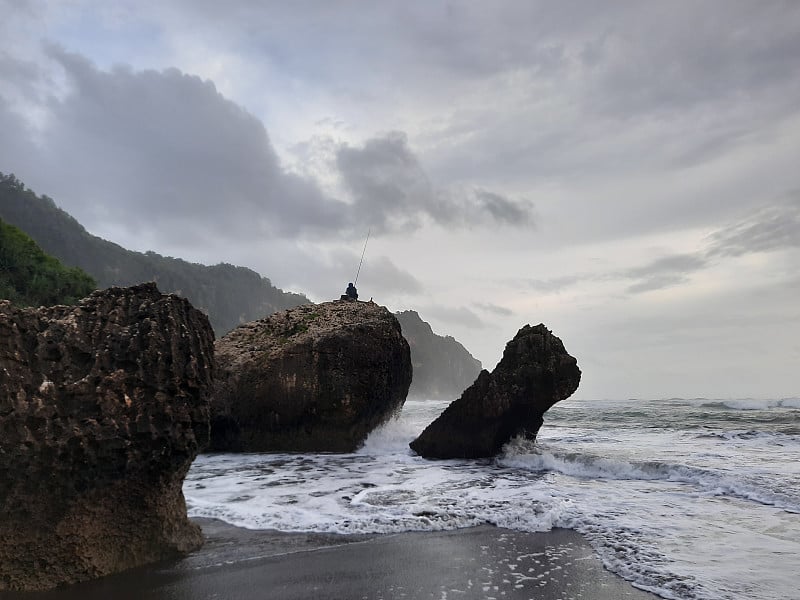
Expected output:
(351, 292)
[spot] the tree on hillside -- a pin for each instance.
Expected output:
(29, 277)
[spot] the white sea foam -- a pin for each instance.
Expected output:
(749, 403)
(704, 480)
(672, 510)
(790, 402)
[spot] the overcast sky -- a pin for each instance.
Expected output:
(625, 172)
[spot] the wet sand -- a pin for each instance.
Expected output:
(480, 562)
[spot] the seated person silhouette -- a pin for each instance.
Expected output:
(351, 293)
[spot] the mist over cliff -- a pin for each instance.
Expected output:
(443, 368)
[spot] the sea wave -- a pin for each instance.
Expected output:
(657, 496)
(708, 481)
(751, 404)
(788, 435)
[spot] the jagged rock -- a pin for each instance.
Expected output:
(534, 373)
(318, 377)
(103, 407)
(443, 368)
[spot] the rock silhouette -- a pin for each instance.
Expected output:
(534, 373)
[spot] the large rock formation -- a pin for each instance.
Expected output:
(534, 373)
(443, 368)
(103, 407)
(317, 377)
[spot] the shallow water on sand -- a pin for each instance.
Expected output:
(695, 499)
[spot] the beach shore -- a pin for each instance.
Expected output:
(480, 562)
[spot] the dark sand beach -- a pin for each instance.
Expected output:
(479, 562)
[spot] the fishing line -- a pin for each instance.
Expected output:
(355, 281)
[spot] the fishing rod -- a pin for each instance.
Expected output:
(355, 281)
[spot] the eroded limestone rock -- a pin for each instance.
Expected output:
(317, 377)
(103, 407)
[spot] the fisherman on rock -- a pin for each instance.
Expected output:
(352, 292)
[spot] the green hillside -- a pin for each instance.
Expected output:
(29, 277)
(230, 294)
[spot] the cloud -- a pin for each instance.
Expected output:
(388, 185)
(769, 228)
(664, 272)
(554, 284)
(392, 192)
(502, 209)
(18, 77)
(494, 309)
(382, 274)
(461, 316)
(13, 127)
(166, 151)
(663, 66)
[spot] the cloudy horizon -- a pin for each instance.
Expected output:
(623, 172)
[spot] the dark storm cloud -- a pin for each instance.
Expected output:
(386, 180)
(165, 149)
(392, 191)
(165, 152)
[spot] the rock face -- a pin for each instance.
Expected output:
(315, 378)
(534, 373)
(443, 368)
(103, 407)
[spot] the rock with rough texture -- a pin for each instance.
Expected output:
(103, 407)
(315, 378)
(534, 373)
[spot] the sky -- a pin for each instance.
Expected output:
(625, 172)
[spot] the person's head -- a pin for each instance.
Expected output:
(350, 284)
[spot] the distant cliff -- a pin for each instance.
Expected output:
(443, 368)
(230, 295)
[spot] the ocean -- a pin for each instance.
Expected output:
(692, 499)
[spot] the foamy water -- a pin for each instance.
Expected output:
(695, 499)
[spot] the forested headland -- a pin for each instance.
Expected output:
(230, 295)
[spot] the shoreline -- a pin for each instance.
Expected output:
(478, 562)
